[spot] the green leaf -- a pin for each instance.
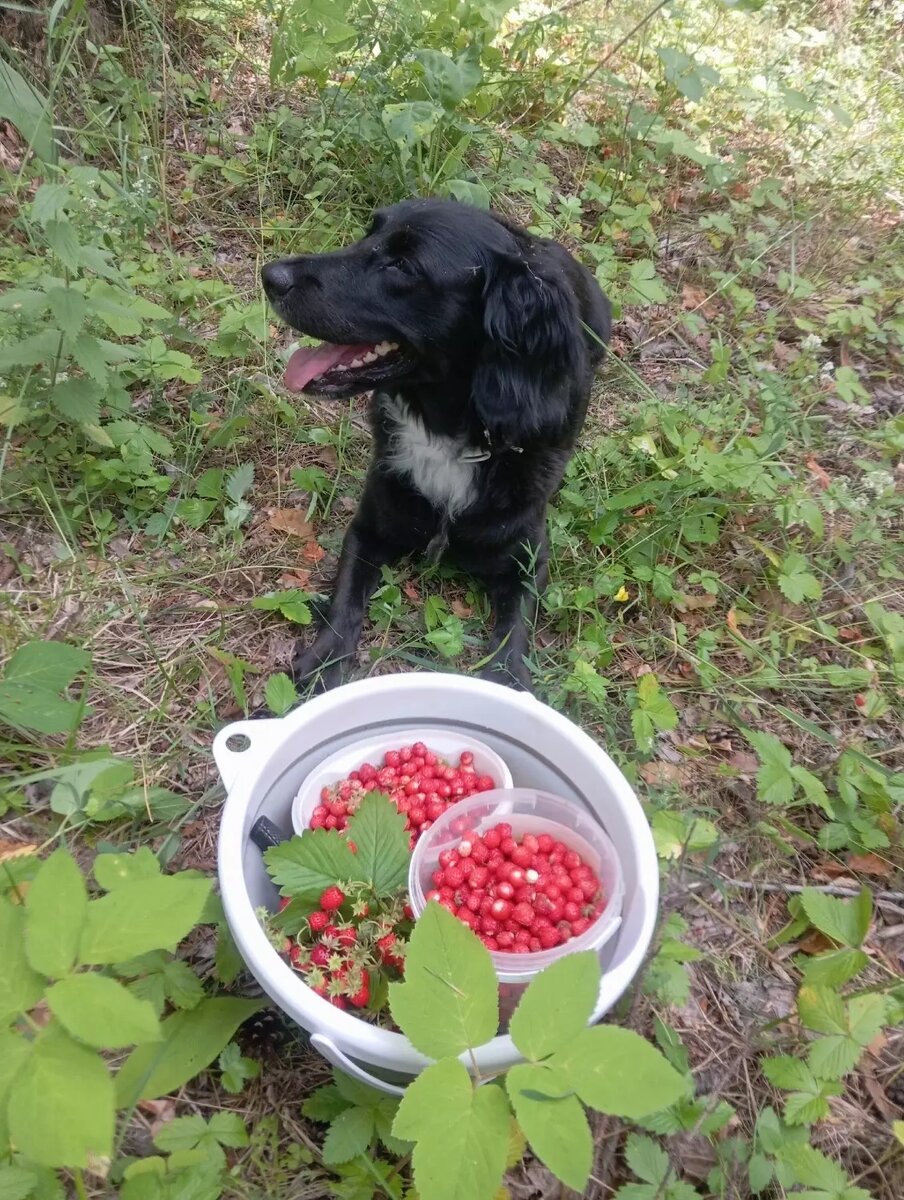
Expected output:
(50, 202)
(280, 694)
(325, 1104)
(182, 985)
(194, 512)
(229, 1130)
(449, 1000)
(866, 1016)
(349, 1135)
(182, 1133)
(34, 675)
(306, 865)
(27, 109)
(210, 484)
(61, 238)
(645, 285)
(655, 704)
(235, 1070)
(239, 480)
(557, 1005)
(145, 914)
(16, 1183)
(448, 81)
(844, 921)
(291, 603)
(101, 1012)
(69, 308)
(814, 1169)
(56, 908)
(647, 1159)
(460, 1132)
(191, 1041)
(787, 1072)
(113, 870)
(677, 833)
(821, 1009)
(411, 124)
(113, 306)
(552, 1120)
(78, 400)
(61, 1109)
(833, 1056)
(29, 352)
(467, 192)
(51, 665)
(20, 987)
(89, 354)
(378, 830)
(795, 581)
(619, 1073)
(15, 1052)
(833, 968)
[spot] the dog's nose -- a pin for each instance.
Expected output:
(277, 278)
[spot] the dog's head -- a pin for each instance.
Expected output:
(442, 292)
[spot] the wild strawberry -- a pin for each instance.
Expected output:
(318, 921)
(523, 914)
(296, 956)
(332, 898)
(285, 901)
(362, 995)
(320, 955)
(346, 936)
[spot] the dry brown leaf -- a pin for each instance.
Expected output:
(461, 610)
(744, 762)
(820, 474)
(659, 774)
(876, 1093)
(731, 621)
(411, 592)
(289, 520)
(313, 552)
(815, 942)
(848, 633)
(10, 849)
(299, 578)
(870, 864)
(694, 602)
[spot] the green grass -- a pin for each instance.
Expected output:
(725, 550)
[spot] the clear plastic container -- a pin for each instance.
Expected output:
(527, 811)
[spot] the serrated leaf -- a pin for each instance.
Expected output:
(833, 968)
(62, 240)
(645, 284)
(20, 986)
(194, 511)
(647, 1159)
(449, 1000)
(183, 987)
(78, 400)
(50, 202)
(833, 1056)
(50, 665)
(30, 351)
(557, 1005)
(378, 830)
(114, 308)
(68, 307)
(460, 1133)
(182, 1133)
(775, 781)
(803, 1108)
(61, 1109)
(821, 1009)
(349, 1135)
(101, 1012)
(88, 352)
(238, 481)
(29, 110)
(787, 1072)
(16, 1183)
(280, 694)
(210, 483)
(325, 1104)
(619, 1073)
(235, 1070)
(796, 582)
(307, 864)
(759, 1173)
(56, 910)
(866, 1016)
(845, 921)
(191, 1041)
(552, 1120)
(145, 914)
(814, 1169)
(655, 704)
(229, 1130)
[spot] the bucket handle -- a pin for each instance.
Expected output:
(259, 735)
(333, 1054)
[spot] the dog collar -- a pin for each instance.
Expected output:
(479, 454)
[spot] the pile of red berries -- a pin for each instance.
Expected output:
(419, 782)
(519, 896)
(346, 948)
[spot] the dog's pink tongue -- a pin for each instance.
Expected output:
(306, 364)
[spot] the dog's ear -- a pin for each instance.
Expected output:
(533, 348)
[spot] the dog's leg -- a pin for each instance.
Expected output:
(514, 593)
(363, 554)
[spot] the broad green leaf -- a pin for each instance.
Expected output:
(815, 1169)
(325, 1104)
(29, 110)
(183, 987)
(410, 124)
(796, 582)
(78, 400)
(647, 1159)
(62, 240)
(833, 1056)
(113, 306)
(619, 1073)
(280, 694)
(307, 864)
(146, 914)
(61, 1108)
(378, 830)
(113, 870)
(194, 511)
(645, 286)
(787, 1072)
(447, 80)
(183, 1133)
(89, 354)
(833, 968)
(655, 704)
(460, 1133)
(235, 1070)
(16, 1183)
(677, 833)
(56, 909)
(467, 192)
(210, 484)
(821, 1009)
(844, 921)
(50, 202)
(866, 1016)
(15, 1052)
(69, 308)
(49, 665)
(34, 707)
(101, 1012)
(349, 1135)
(20, 986)
(556, 1006)
(775, 782)
(191, 1041)
(229, 1129)
(30, 351)
(449, 1000)
(552, 1120)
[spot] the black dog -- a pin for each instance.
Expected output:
(479, 342)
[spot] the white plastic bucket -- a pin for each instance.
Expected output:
(541, 748)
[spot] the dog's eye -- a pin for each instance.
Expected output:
(402, 264)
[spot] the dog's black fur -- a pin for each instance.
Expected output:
(499, 333)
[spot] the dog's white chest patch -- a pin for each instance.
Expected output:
(432, 462)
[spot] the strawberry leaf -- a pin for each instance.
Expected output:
(307, 864)
(349, 1135)
(378, 830)
(461, 1133)
(844, 921)
(449, 1000)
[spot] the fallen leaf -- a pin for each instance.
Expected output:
(870, 864)
(659, 774)
(815, 942)
(162, 1111)
(693, 602)
(643, 511)
(461, 610)
(411, 592)
(848, 633)
(313, 552)
(744, 762)
(295, 579)
(731, 620)
(878, 1096)
(289, 520)
(10, 849)
(820, 474)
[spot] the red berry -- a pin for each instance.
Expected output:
(296, 956)
(284, 902)
(571, 911)
(580, 926)
(332, 898)
(505, 939)
(521, 856)
(523, 914)
(549, 936)
(338, 1002)
(362, 995)
(320, 955)
(454, 877)
(318, 921)
(492, 839)
(346, 936)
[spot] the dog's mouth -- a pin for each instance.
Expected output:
(330, 368)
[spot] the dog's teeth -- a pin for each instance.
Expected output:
(384, 348)
(357, 362)
(371, 356)
(342, 367)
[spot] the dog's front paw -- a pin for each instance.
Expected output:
(509, 670)
(318, 666)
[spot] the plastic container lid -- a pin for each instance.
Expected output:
(527, 811)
